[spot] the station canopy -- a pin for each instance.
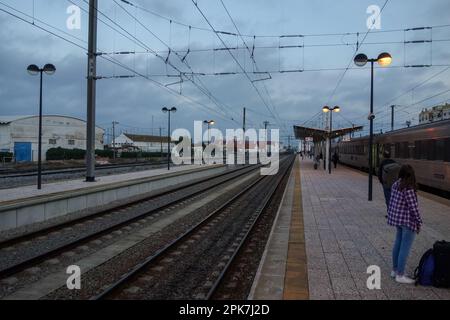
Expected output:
(305, 133)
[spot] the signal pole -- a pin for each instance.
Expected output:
(91, 78)
(160, 141)
(392, 117)
(243, 121)
(114, 138)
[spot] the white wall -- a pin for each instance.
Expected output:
(62, 129)
(5, 137)
(144, 146)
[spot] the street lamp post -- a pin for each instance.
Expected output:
(209, 124)
(331, 110)
(384, 60)
(166, 110)
(35, 70)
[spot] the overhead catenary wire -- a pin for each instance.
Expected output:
(252, 57)
(414, 88)
(112, 60)
(234, 58)
(419, 102)
(135, 40)
(202, 86)
(353, 55)
(192, 74)
(225, 32)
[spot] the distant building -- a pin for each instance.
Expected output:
(436, 113)
(19, 135)
(146, 143)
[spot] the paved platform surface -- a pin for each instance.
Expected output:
(77, 184)
(344, 234)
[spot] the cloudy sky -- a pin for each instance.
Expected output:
(152, 28)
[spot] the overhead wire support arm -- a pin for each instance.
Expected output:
(419, 41)
(226, 49)
(168, 56)
(418, 28)
(223, 73)
(269, 76)
(290, 46)
(418, 66)
(292, 36)
(185, 56)
(226, 33)
(291, 71)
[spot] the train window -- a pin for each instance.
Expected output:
(440, 149)
(417, 149)
(447, 150)
(404, 149)
(431, 150)
(410, 151)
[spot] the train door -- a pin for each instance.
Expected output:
(378, 151)
(374, 156)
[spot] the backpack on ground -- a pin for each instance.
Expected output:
(425, 270)
(441, 275)
(390, 174)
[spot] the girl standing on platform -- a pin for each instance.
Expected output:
(403, 213)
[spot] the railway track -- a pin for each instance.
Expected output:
(194, 264)
(16, 254)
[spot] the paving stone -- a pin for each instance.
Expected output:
(353, 234)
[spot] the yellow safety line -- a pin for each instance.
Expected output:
(296, 277)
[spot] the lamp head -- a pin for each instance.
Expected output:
(173, 109)
(360, 60)
(384, 59)
(165, 110)
(326, 109)
(33, 69)
(336, 109)
(49, 69)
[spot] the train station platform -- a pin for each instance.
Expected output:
(27, 206)
(327, 234)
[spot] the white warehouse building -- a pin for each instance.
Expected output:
(19, 135)
(142, 142)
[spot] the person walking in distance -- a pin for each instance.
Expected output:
(335, 159)
(388, 174)
(403, 214)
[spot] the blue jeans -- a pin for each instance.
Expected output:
(403, 241)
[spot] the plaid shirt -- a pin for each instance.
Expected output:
(403, 208)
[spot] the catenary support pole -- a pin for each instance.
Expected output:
(91, 86)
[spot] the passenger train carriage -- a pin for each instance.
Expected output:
(425, 147)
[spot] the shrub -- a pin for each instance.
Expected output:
(104, 153)
(6, 156)
(140, 154)
(65, 154)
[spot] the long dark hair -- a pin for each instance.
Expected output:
(407, 178)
